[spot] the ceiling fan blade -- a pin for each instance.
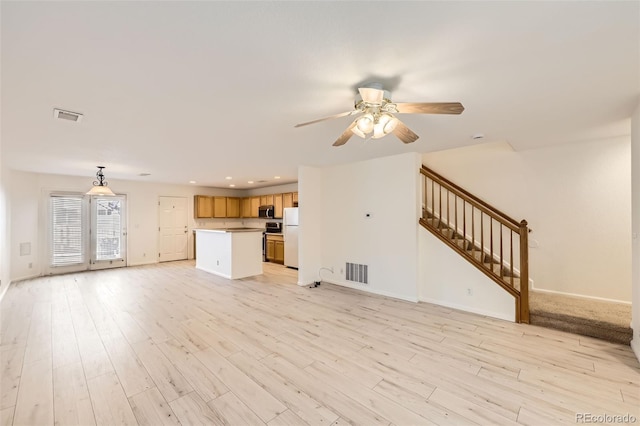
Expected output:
(345, 136)
(404, 133)
(370, 95)
(344, 114)
(430, 107)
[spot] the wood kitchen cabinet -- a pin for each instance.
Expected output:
(278, 255)
(245, 207)
(233, 207)
(266, 200)
(275, 248)
(277, 206)
(203, 206)
(270, 249)
(287, 200)
(295, 199)
(219, 206)
(255, 204)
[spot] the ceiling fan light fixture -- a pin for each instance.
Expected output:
(384, 125)
(365, 123)
(372, 95)
(377, 119)
(358, 132)
(388, 123)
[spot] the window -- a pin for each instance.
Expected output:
(67, 230)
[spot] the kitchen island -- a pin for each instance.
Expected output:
(230, 252)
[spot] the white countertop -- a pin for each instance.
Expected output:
(231, 230)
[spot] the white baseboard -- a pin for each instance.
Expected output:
(374, 291)
(469, 309)
(211, 271)
(6, 287)
(26, 277)
(581, 296)
(151, 262)
(635, 347)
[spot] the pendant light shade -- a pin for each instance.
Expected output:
(100, 186)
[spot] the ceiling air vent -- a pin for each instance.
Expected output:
(67, 115)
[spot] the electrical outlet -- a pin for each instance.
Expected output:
(469, 292)
(144, 254)
(341, 271)
(217, 263)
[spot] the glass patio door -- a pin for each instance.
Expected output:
(86, 232)
(108, 232)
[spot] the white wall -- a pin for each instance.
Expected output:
(447, 279)
(25, 224)
(576, 198)
(310, 241)
(276, 189)
(635, 200)
(387, 189)
(28, 192)
(5, 231)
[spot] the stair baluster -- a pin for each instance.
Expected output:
(508, 271)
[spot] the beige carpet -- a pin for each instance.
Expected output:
(604, 320)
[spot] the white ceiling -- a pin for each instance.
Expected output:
(203, 90)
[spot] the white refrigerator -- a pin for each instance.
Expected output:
(290, 232)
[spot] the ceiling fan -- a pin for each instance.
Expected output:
(377, 119)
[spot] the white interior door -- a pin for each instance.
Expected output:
(173, 229)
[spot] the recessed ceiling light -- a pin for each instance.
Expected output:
(228, 178)
(144, 174)
(250, 181)
(192, 181)
(232, 185)
(276, 177)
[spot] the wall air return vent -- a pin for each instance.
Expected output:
(67, 115)
(357, 273)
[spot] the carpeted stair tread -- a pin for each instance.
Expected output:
(601, 319)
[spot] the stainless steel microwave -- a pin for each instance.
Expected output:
(266, 211)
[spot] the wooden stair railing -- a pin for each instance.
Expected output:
(490, 240)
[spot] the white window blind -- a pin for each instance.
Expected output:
(67, 239)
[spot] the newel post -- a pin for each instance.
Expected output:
(523, 313)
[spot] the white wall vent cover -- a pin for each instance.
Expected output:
(357, 273)
(67, 115)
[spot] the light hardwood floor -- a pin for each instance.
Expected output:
(168, 344)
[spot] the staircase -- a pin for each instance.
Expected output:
(498, 246)
(490, 240)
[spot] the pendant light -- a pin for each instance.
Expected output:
(100, 186)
